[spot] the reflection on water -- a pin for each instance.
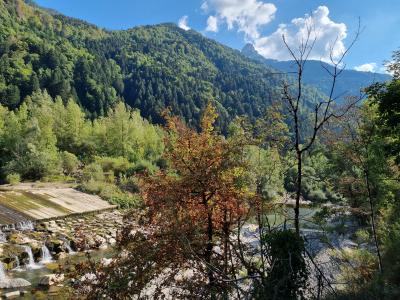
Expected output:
(285, 214)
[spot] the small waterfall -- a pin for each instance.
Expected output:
(46, 256)
(3, 275)
(21, 226)
(8, 227)
(17, 268)
(31, 264)
(3, 237)
(25, 226)
(68, 246)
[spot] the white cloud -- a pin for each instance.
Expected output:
(328, 34)
(245, 15)
(369, 67)
(183, 23)
(212, 24)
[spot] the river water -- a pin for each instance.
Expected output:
(34, 275)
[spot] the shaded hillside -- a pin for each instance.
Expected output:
(349, 83)
(149, 67)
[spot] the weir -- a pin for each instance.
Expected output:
(21, 206)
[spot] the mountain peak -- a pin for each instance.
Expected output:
(251, 52)
(249, 48)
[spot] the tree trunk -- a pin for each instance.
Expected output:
(298, 193)
(209, 248)
(371, 205)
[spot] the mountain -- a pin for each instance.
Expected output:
(148, 67)
(350, 82)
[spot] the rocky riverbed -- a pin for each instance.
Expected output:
(30, 246)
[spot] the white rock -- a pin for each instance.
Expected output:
(10, 295)
(12, 283)
(106, 261)
(51, 279)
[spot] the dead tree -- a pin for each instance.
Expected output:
(324, 109)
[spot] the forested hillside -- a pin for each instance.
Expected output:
(150, 67)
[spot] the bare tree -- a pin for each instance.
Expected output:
(324, 109)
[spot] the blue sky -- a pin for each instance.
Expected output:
(235, 22)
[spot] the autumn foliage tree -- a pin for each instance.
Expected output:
(183, 243)
(204, 197)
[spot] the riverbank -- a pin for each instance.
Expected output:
(31, 254)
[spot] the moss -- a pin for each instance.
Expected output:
(53, 266)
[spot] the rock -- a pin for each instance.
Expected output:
(11, 295)
(100, 240)
(19, 238)
(89, 277)
(12, 283)
(103, 247)
(62, 255)
(51, 279)
(55, 245)
(112, 241)
(106, 261)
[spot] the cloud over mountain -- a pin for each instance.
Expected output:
(246, 16)
(329, 37)
(183, 23)
(369, 67)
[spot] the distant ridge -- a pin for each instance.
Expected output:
(350, 81)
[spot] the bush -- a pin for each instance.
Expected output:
(70, 163)
(129, 184)
(111, 193)
(362, 236)
(288, 276)
(117, 165)
(144, 166)
(317, 195)
(59, 178)
(93, 172)
(13, 178)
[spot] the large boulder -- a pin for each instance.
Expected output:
(13, 283)
(55, 245)
(12, 295)
(19, 238)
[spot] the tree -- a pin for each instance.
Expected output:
(31, 149)
(191, 212)
(305, 131)
(363, 164)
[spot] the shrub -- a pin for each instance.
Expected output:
(70, 163)
(144, 166)
(111, 193)
(288, 276)
(117, 165)
(13, 178)
(362, 236)
(59, 178)
(93, 172)
(129, 184)
(317, 195)
(91, 186)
